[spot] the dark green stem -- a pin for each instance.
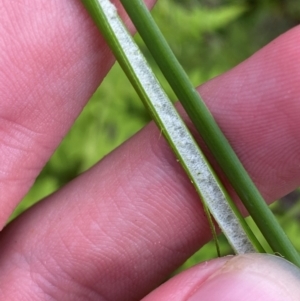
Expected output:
(209, 130)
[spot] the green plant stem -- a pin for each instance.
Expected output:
(209, 130)
(165, 115)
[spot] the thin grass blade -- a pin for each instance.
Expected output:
(168, 120)
(210, 131)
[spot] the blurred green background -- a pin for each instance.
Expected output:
(208, 37)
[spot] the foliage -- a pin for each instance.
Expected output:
(223, 32)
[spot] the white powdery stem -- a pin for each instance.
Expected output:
(199, 172)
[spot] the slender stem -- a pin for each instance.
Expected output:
(168, 120)
(212, 228)
(209, 130)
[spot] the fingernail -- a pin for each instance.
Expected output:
(251, 277)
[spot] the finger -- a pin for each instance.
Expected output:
(257, 106)
(249, 277)
(52, 60)
(134, 217)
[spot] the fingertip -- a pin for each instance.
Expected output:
(181, 286)
(244, 277)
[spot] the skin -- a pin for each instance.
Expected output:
(118, 230)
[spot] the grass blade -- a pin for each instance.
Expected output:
(165, 115)
(210, 131)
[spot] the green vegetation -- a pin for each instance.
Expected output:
(223, 33)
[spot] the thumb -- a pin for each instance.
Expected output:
(251, 277)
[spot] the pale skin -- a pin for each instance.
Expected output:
(118, 230)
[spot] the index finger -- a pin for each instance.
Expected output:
(52, 60)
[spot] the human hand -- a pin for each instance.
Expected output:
(101, 237)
